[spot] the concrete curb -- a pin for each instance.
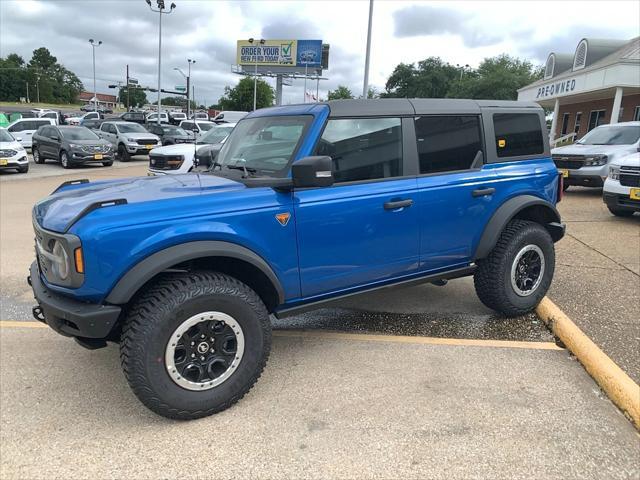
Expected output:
(620, 388)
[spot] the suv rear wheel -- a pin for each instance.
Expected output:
(516, 275)
(193, 344)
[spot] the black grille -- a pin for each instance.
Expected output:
(147, 141)
(572, 162)
(630, 176)
(7, 153)
(165, 162)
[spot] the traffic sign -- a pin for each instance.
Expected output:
(181, 88)
(133, 81)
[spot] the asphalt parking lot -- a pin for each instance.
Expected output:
(423, 382)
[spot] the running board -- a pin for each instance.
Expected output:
(326, 302)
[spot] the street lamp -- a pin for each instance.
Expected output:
(160, 11)
(462, 69)
(255, 74)
(95, 45)
(190, 61)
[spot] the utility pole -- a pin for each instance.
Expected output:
(27, 82)
(365, 86)
(38, 88)
(189, 61)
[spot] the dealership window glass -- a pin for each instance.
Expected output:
(596, 118)
(518, 134)
(576, 125)
(447, 143)
(362, 148)
(565, 124)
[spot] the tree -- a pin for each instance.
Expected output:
(240, 97)
(373, 93)
(497, 78)
(431, 78)
(340, 92)
(178, 102)
(137, 97)
(47, 79)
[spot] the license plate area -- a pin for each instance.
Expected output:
(4, 161)
(97, 156)
(564, 172)
(634, 194)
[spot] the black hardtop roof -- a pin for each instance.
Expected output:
(418, 106)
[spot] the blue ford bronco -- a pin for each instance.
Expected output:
(304, 205)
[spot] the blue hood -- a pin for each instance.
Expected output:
(58, 211)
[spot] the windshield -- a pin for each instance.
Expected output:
(205, 127)
(174, 131)
(79, 133)
(264, 144)
(612, 135)
(6, 136)
(131, 128)
(216, 135)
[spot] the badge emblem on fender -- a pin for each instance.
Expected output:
(283, 218)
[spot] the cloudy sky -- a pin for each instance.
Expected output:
(207, 30)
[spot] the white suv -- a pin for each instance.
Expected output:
(174, 159)
(26, 127)
(586, 162)
(129, 138)
(12, 153)
(621, 190)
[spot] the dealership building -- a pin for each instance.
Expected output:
(599, 83)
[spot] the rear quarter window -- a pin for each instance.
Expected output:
(518, 134)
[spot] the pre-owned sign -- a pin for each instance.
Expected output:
(280, 52)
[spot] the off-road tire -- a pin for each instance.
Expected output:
(123, 155)
(620, 212)
(37, 158)
(492, 279)
(153, 318)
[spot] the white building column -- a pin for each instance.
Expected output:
(554, 121)
(617, 101)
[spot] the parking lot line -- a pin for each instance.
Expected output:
(367, 337)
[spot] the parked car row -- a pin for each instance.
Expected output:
(12, 154)
(608, 156)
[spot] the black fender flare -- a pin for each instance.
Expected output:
(507, 211)
(148, 268)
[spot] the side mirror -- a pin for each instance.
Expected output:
(18, 139)
(312, 172)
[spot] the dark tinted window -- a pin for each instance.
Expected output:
(518, 134)
(363, 149)
(447, 143)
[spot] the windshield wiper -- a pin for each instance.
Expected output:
(246, 170)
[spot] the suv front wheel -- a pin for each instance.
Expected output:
(516, 275)
(195, 343)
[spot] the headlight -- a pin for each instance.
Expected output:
(595, 160)
(74, 145)
(60, 265)
(614, 172)
(131, 140)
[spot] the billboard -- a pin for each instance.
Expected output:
(292, 53)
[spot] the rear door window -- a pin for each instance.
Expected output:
(518, 134)
(448, 142)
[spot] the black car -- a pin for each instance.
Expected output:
(170, 134)
(93, 123)
(71, 146)
(136, 117)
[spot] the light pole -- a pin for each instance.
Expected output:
(365, 85)
(462, 69)
(94, 45)
(255, 73)
(160, 11)
(190, 61)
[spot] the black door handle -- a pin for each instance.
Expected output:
(483, 192)
(398, 204)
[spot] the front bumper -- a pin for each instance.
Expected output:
(137, 149)
(79, 157)
(70, 317)
(17, 161)
(621, 202)
(587, 176)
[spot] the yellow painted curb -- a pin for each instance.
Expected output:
(620, 388)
